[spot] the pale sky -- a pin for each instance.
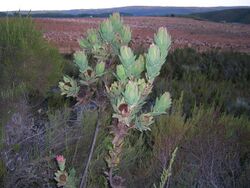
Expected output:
(8, 5)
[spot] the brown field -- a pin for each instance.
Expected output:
(201, 35)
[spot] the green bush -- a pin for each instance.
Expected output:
(205, 131)
(26, 58)
(219, 78)
(213, 152)
(29, 66)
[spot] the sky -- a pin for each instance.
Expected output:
(8, 5)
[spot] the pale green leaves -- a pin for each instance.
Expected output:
(157, 53)
(144, 121)
(127, 58)
(162, 104)
(69, 87)
(92, 40)
(107, 40)
(131, 94)
(100, 68)
(116, 22)
(153, 62)
(163, 41)
(125, 35)
(155, 57)
(106, 30)
(120, 72)
(118, 27)
(115, 89)
(81, 61)
(132, 67)
(136, 88)
(88, 75)
(138, 67)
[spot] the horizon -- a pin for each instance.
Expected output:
(25, 10)
(46, 5)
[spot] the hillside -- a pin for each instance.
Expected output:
(148, 10)
(241, 15)
(131, 11)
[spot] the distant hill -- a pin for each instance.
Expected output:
(147, 10)
(126, 11)
(63, 15)
(241, 15)
(2, 14)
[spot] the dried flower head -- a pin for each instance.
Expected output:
(61, 178)
(124, 110)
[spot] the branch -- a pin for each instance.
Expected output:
(85, 173)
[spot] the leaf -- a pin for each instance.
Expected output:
(131, 93)
(116, 22)
(120, 71)
(153, 62)
(81, 61)
(125, 35)
(138, 67)
(163, 41)
(69, 87)
(71, 182)
(143, 122)
(128, 59)
(99, 69)
(106, 30)
(162, 104)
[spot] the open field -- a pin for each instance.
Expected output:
(201, 35)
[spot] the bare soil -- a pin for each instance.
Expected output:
(185, 32)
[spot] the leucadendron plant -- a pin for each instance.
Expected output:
(100, 47)
(128, 94)
(134, 78)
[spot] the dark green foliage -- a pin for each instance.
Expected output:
(232, 15)
(219, 78)
(28, 64)
(228, 66)
(212, 151)
(207, 130)
(202, 91)
(26, 58)
(2, 171)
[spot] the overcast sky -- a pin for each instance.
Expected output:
(7, 5)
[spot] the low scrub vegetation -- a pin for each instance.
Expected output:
(202, 141)
(29, 66)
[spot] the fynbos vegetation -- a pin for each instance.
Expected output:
(121, 116)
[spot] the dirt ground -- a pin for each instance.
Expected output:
(201, 35)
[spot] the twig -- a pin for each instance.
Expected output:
(85, 173)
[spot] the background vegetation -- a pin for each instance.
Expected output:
(240, 15)
(217, 14)
(29, 67)
(209, 119)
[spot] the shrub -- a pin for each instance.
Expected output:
(219, 78)
(212, 151)
(29, 66)
(26, 58)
